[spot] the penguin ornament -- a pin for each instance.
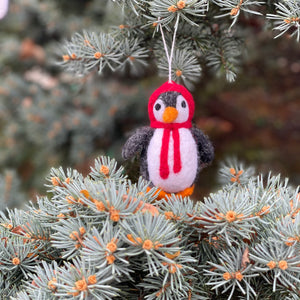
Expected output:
(172, 151)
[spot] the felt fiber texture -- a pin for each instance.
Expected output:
(168, 95)
(172, 154)
(160, 194)
(205, 147)
(177, 180)
(138, 144)
(170, 87)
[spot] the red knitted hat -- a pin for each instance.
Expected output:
(171, 87)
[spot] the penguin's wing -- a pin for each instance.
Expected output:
(205, 147)
(137, 142)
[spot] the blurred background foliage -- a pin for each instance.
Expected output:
(50, 118)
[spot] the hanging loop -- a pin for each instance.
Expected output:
(169, 57)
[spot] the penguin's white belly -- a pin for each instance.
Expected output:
(175, 182)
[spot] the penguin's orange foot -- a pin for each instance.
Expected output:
(185, 193)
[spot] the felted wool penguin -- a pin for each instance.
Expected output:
(172, 151)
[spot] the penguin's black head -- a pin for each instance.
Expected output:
(171, 104)
(171, 107)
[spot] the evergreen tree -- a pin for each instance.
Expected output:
(103, 237)
(53, 118)
(205, 36)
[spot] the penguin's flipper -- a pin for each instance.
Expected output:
(137, 142)
(205, 147)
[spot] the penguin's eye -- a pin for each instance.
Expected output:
(157, 106)
(183, 104)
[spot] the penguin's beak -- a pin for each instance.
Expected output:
(170, 114)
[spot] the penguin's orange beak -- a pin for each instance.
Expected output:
(170, 114)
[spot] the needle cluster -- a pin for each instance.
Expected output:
(202, 24)
(101, 236)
